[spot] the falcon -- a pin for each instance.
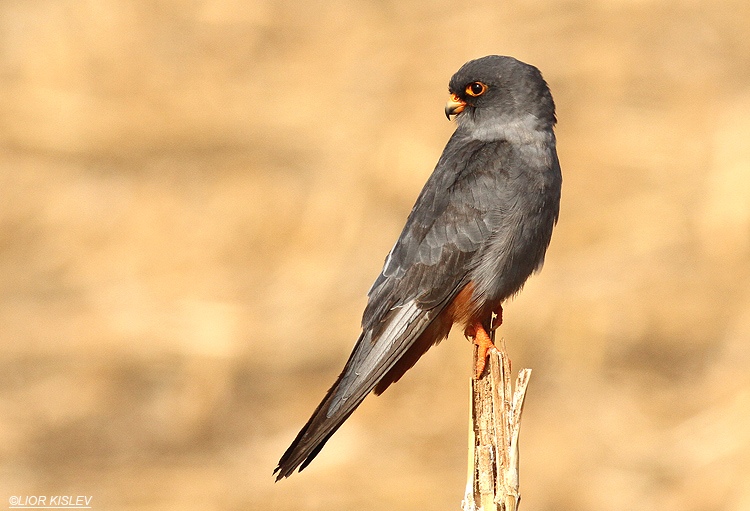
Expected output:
(479, 229)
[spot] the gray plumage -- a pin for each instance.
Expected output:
(484, 218)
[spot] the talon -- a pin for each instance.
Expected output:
(484, 346)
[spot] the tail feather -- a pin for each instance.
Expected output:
(314, 435)
(366, 366)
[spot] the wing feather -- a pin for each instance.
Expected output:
(429, 264)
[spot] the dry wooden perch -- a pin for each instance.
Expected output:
(492, 483)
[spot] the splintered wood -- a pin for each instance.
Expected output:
(492, 483)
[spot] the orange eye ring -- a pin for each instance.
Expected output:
(476, 89)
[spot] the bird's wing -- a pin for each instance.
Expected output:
(427, 267)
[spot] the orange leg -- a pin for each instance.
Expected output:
(484, 345)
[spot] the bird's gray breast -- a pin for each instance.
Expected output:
(525, 209)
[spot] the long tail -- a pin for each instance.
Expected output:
(313, 436)
(367, 365)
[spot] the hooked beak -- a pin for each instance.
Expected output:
(454, 106)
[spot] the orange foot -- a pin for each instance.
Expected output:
(484, 345)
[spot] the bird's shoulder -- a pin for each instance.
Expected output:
(447, 226)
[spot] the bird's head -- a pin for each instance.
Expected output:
(500, 89)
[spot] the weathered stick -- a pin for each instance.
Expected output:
(492, 482)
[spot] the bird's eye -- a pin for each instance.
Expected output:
(476, 89)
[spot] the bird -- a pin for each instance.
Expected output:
(479, 228)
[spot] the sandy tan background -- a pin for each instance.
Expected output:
(196, 196)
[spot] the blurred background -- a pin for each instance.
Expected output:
(196, 196)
